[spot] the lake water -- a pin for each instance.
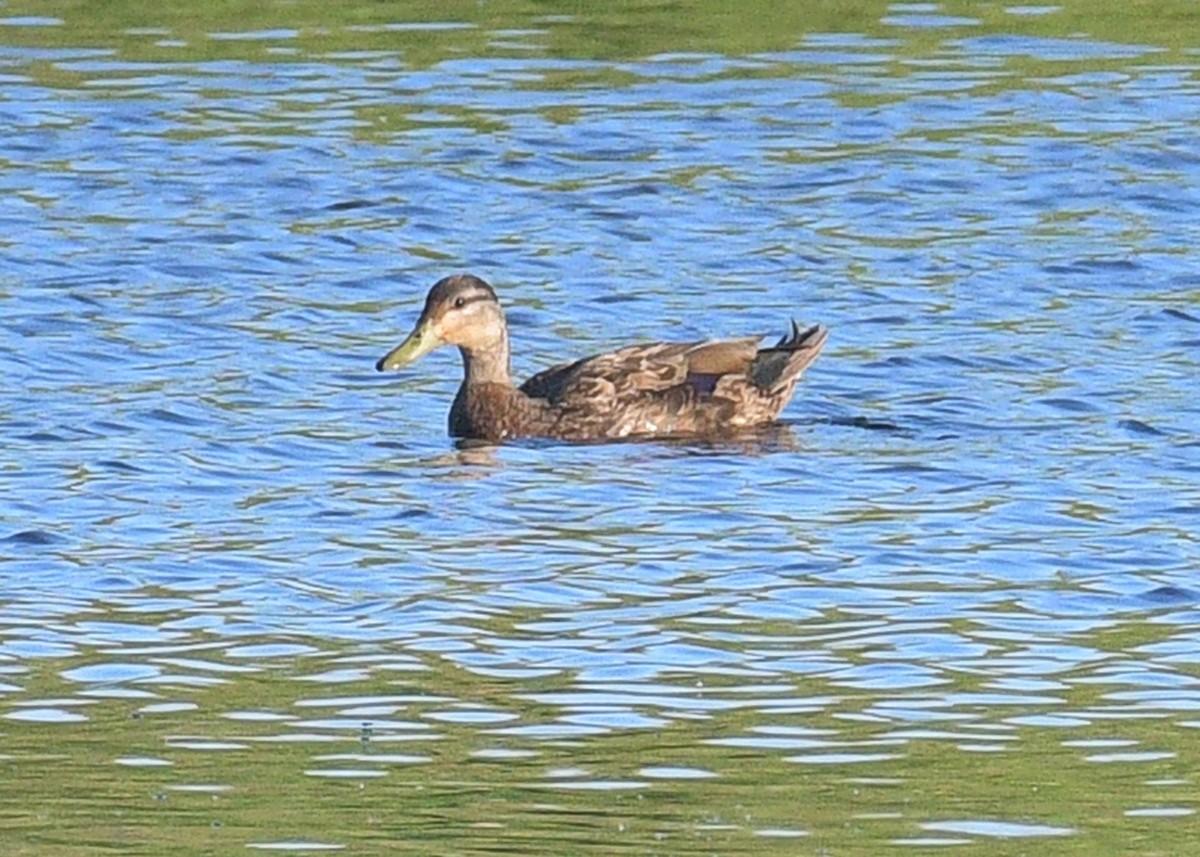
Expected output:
(253, 598)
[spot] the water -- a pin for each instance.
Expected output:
(251, 596)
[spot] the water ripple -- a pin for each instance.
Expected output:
(233, 554)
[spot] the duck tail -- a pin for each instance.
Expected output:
(776, 368)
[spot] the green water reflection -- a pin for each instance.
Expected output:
(425, 33)
(205, 748)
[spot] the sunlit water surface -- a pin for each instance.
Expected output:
(252, 596)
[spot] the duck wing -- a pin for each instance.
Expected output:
(629, 372)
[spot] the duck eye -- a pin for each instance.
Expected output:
(460, 302)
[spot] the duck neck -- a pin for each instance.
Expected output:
(487, 365)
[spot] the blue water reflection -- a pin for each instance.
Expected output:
(975, 531)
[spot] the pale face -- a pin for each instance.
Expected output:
(460, 310)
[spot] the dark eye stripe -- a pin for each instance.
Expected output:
(462, 300)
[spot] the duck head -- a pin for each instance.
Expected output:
(461, 310)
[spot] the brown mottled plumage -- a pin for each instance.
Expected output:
(661, 389)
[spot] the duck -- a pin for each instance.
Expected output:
(704, 389)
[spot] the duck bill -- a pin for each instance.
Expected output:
(419, 343)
